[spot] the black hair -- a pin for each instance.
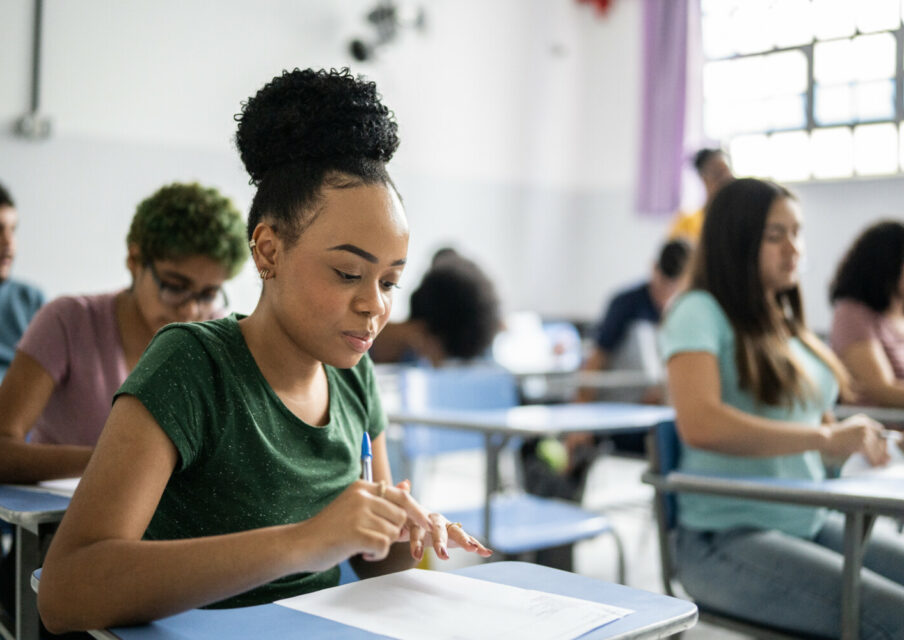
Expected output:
(673, 258)
(308, 129)
(6, 200)
(703, 156)
(870, 271)
(458, 304)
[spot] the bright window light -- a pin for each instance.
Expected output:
(832, 153)
(833, 18)
(877, 15)
(875, 149)
(833, 62)
(789, 154)
(757, 32)
(901, 147)
(873, 56)
(786, 112)
(833, 104)
(750, 155)
(792, 22)
(875, 100)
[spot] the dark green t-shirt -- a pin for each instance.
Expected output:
(245, 460)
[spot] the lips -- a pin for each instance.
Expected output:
(358, 341)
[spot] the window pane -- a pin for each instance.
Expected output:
(901, 145)
(875, 100)
(792, 22)
(784, 73)
(832, 153)
(833, 104)
(832, 62)
(750, 156)
(786, 112)
(876, 15)
(874, 56)
(718, 119)
(718, 36)
(833, 18)
(756, 33)
(875, 149)
(790, 155)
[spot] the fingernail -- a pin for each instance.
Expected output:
(444, 551)
(419, 550)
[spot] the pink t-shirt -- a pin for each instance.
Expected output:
(855, 322)
(76, 340)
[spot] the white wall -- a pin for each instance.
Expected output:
(518, 120)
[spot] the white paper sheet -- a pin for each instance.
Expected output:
(434, 605)
(856, 465)
(65, 486)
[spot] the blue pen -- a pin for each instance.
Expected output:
(367, 458)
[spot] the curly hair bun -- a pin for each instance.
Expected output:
(314, 116)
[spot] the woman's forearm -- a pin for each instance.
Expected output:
(28, 463)
(116, 582)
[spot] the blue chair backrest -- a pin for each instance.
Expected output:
(667, 456)
(452, 388)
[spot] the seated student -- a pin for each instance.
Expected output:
(454, 315)
(715, 172)
(753, 390)
(227, 472)
(184, 242)
(868, 320)
(640, 304)
(18, 301)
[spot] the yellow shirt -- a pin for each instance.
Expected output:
(687, 225)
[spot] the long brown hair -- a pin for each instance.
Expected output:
(726, 264)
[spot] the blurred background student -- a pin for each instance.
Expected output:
(184, 242)
(753, 390)
(454, 315)
(18, 301)
(868, 319)
(714, 169)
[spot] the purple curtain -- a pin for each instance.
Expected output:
(664, 94)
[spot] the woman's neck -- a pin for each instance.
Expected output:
(134, 331)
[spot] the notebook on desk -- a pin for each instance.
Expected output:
(856, 465)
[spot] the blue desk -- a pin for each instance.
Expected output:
(655, 615)
(860, 499)
(498, 425)
(34, 515)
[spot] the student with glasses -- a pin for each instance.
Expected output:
(185, 241)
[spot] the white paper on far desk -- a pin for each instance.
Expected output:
(856, 464)
(64, 487)
(435, 605)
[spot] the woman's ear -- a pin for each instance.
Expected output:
(265, 247)
(133, 260)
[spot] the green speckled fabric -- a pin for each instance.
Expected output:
(246, 461)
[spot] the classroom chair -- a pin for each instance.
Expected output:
(664, 454)
(521, 523)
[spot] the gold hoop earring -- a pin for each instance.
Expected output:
(265, 274)
(252, 244)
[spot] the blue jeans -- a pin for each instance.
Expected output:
(773, 578)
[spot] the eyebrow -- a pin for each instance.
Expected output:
(358, 251)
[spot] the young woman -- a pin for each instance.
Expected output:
(227, 472)
(184, 242)
(868, 320)
(753, 390)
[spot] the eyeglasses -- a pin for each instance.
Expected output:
(176, 295)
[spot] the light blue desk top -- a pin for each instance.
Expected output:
(543, 420)
(30, 506)
(656, 616)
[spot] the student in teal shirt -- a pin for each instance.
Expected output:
(227, 472)
(753, 390)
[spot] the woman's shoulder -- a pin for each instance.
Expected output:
(81, 304)
(696, 302)
(851, 308)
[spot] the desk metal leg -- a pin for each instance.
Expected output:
(857, 527)
(28, 558)
(493, 445)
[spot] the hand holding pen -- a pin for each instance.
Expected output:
(440, 533)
